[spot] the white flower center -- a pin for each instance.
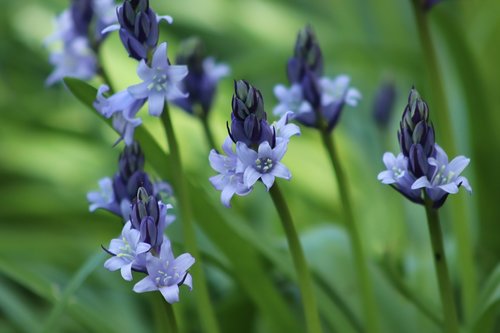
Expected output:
(398, 172)
(441, 178)
(159, 82)
(263, 165)
(126, 251)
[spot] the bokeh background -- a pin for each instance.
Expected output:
(53, 150)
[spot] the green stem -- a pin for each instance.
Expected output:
(208, 132)
(208, 320)
(299, 260)
(459, 212)
(445, 290)
(369, 305)
(169, 310)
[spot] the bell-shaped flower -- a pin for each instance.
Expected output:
(228, 181)
(285, 130)
(160, 81)
(445, 178)
(263, 164)
(166, 273)
(128, 252)
(104, 198)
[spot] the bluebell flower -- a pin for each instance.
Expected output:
(228, 181)
(398, 176)
(166, 273)
(149, 216)
(104, 198)
(201, 82)
(307, 56)
(283, 129)
(138, 27)
(160, 81)
(122, 107)
(263, 164)
(445, 178)
(127, 252)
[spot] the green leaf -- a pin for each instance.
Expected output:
(489, 307)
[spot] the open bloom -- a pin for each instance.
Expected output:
(166, 273)
(263, 164)
(104, 198)
(126, 251)
(160, 81)
(228, 180)
(445, 177)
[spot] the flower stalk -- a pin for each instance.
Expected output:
(445, 289)
(205, 307)
(305, 282)
(367, 295)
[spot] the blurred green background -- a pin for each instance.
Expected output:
(53, 150)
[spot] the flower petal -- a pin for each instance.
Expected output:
(126, 271)
(170, 293)
(160, 57)
(146, 284)
(281, 171)
(156, 102)
(250, 176)
(421, 182)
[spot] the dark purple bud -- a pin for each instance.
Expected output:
(146, 218)
(332, 113)
(192, 53)
(307, 52)
(311, 89)
(383, 104)
(418, 164)
(247, 100)
(81, 13)
(131, 160)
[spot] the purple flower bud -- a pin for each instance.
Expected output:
(307, 56)
(131, 160)
(383, 103)
(81, 13)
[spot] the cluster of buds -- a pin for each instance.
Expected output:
(422, 169)
(259, 146)
(116, 195)
(315, 100)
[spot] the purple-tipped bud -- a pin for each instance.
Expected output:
(311, 89)
(131, 160)
(191, 53)
(138, 28)
(307, 56)
(248, 119)
(383, 104)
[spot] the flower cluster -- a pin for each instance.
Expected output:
(422, 164)
(314, 99)
(143, 247)
(78, 31)
(116, 195)
(259, 146)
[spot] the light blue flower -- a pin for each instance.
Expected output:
(337, 89)
(446, 177)
(263, 164)
(127, 252)
(228, 180)
(285, 130)
(160, 81)
(290, 100)
(166, 273)
(123, 107)
(76, 59)
(104, 198)
(398, 176)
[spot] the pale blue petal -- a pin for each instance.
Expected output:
(170, 293)
(458, 164)
(250, 176)
(146, 284)
(421, 182)
(278, 152)
(114, 263)
(281, 171)
(126, 271)
(188, 281)
(139, 91)
(156, 102)
(465, 183)
(246, 155)
(227, 194)
(166, 18)
(142, 247)
(144, 72)
(265, 150)
(450, 188)
(389, 160)
(386, 177)
(160, 57)
(268, 180)
(183, 262)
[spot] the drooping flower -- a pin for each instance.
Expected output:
(127, 252)
(421, 171)
(160, 81)
(201, 82)
(445, 178)
(228, 181)
(263, 164)
(166, 273)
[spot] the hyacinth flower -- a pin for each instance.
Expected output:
(200, 84)
(423, 174)
(317, 101)
(259, 150)
(161, 83)
(78, 37)
(143, 247)
(116, 194)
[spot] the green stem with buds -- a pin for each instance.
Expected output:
(299, 260)
(459, 212)
(445, 290)
(205, 308)
(368, 298)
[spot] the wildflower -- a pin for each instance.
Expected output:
(138, 27)
(160, 81)
(105, 198)
(166, 273)
(445, 178)
(383, 104)
(202, 79)
(263, 164)
(283, 129)
(149, 216)
(127, 251)
(228, 181)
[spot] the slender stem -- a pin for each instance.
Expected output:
(169, 310)
(299, 260)
(459, 212)
(366, 288)
(445, 290)
(208, 132)
(205, 308)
